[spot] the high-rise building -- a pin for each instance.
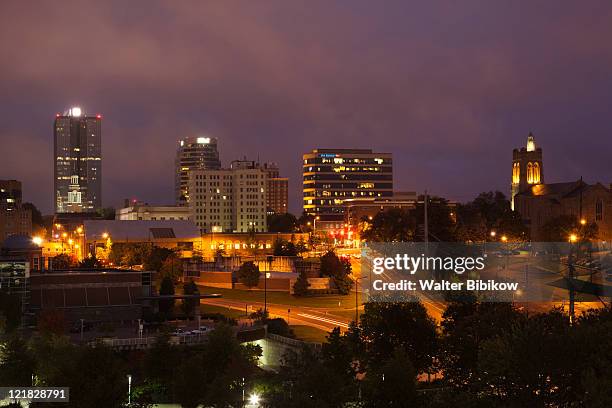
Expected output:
(527, 167)
(77, 162)
(229, 200)
(14, 219)
(193, 153)
(277, 189)
(334, 175)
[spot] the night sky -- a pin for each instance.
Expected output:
(449, 87)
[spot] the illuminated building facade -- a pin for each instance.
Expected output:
(14, 219)
(137, 210)
(229, 200)
(193, 153)
(277, 190)
(527, 168)
(332, 176)
(77, 162)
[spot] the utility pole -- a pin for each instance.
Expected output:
(356, 303)
(426, 220)
(571, 283)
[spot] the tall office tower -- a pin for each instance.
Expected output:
(277, 190)
(14, 219)
(527, 168)
(77, 162)
(229, 200)
(194, 153)
(334, 175)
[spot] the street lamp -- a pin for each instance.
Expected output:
(37, 240)
(583, 222)
(254, 399)
(129, 377)
(504, 238)
(493, 234)
(573, 238)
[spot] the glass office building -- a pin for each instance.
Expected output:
(332, 176)
(77, 162)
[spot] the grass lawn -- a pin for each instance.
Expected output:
(309, 334)
(233, 313)
(284, 298)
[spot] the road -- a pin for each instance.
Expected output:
(296, 315)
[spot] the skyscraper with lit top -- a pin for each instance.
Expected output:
(77, 161)
(193, 153)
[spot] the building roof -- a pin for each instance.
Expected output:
(140, 230)
(554, 190)
(19, 242)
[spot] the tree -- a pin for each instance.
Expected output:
(283, 247)
(282, 223)
(489, 211)
(441, 226)
(248, 274)
(559, 229)
(466, 324)
(10, 312)
(166, 306)
(189, 305)
(306, 222)
(62, 261)
(392, 225)
(527, 365)
(93, 374)
(392, 383)
(301, 285)
(387, 326)
(172, 268)
(91, 262)
(338, 270)
(190, 375)
(16, 362)
(301, 247)
(155, 258)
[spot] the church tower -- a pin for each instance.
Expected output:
(527, 167)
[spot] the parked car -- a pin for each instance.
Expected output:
(180, 332)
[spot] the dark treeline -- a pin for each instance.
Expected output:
(481, 355)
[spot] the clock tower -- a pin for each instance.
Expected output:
(527, 167)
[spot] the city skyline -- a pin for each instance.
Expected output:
(447, 102)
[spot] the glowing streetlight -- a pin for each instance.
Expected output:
(583, 222)
(504, 238)
(79, 230)
(105, 235)
(493, 234)
(70, 241)
(64, 235)
(37, 240)
(254, 399)
(573, 238)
